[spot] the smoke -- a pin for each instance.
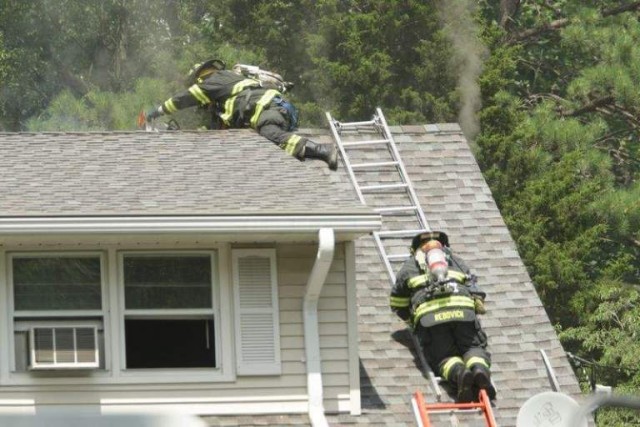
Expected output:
(469, 53)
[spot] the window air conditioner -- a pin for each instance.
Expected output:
(64, 347)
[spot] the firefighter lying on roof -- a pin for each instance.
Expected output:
(436, 294)
(242, 102)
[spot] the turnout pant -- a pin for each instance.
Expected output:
(465, 340)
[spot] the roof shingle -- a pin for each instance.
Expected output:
(229, 172)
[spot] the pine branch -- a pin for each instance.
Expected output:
(615, 110)
(629, 115)
(508, 9)
(592, 106)
(538, 97)
(604, 105)
(563, 22)
(533, 32)
(621, 9)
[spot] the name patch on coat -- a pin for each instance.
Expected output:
(450, 315)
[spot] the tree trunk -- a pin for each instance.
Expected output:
(508, 9)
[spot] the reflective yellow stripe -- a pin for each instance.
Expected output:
(169, 107)
(457, 276)
(242, 85)
(416, 281)
(437, 304)
(399, 302)
(453, 361)
(230, 102)
(290, 145)
(228, 110)
(264, 100)
(477, 361)
(198, 94)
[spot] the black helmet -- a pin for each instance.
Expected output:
(204, 68)
(429, 235)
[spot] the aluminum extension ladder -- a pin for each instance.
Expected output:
(378, 174)
(380, 147)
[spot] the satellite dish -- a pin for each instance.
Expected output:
(549, 409)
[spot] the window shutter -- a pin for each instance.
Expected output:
(256, 312)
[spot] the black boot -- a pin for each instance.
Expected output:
(482, 380)
(325, 152)
(464, 380)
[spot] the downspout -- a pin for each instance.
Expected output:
(315, 282)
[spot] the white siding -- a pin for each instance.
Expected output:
(294, 265)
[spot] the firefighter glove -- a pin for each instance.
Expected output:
(154, 114)
(478, 304)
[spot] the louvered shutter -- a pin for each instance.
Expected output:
(256, 312)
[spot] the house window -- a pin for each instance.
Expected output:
(57, 283)
(169, 316)
(199, 315)
(54, 291)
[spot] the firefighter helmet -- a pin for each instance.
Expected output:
(424, 236)
(203, 69)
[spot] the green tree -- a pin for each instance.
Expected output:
(98, 52)
(391, 54)
(5, 72)
(559, 149)
(77, 46)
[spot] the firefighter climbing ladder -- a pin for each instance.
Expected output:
(370, 155)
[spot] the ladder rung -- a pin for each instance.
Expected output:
(435, 410)
(383, 187)
(397, 257)
(351, 124)
(396, 209)
(365, 142)
(399, 233)
(373, 165)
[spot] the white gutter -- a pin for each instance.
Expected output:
(316, 280)
(358, 223)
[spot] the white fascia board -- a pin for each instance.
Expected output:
(358, 224)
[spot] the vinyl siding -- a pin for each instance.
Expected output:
(294, 266)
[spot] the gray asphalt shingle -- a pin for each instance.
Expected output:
(169, 173)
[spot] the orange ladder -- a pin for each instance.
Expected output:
(422, 408)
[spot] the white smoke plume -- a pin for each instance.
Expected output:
(469, 53)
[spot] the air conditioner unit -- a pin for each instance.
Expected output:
(64, 347)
